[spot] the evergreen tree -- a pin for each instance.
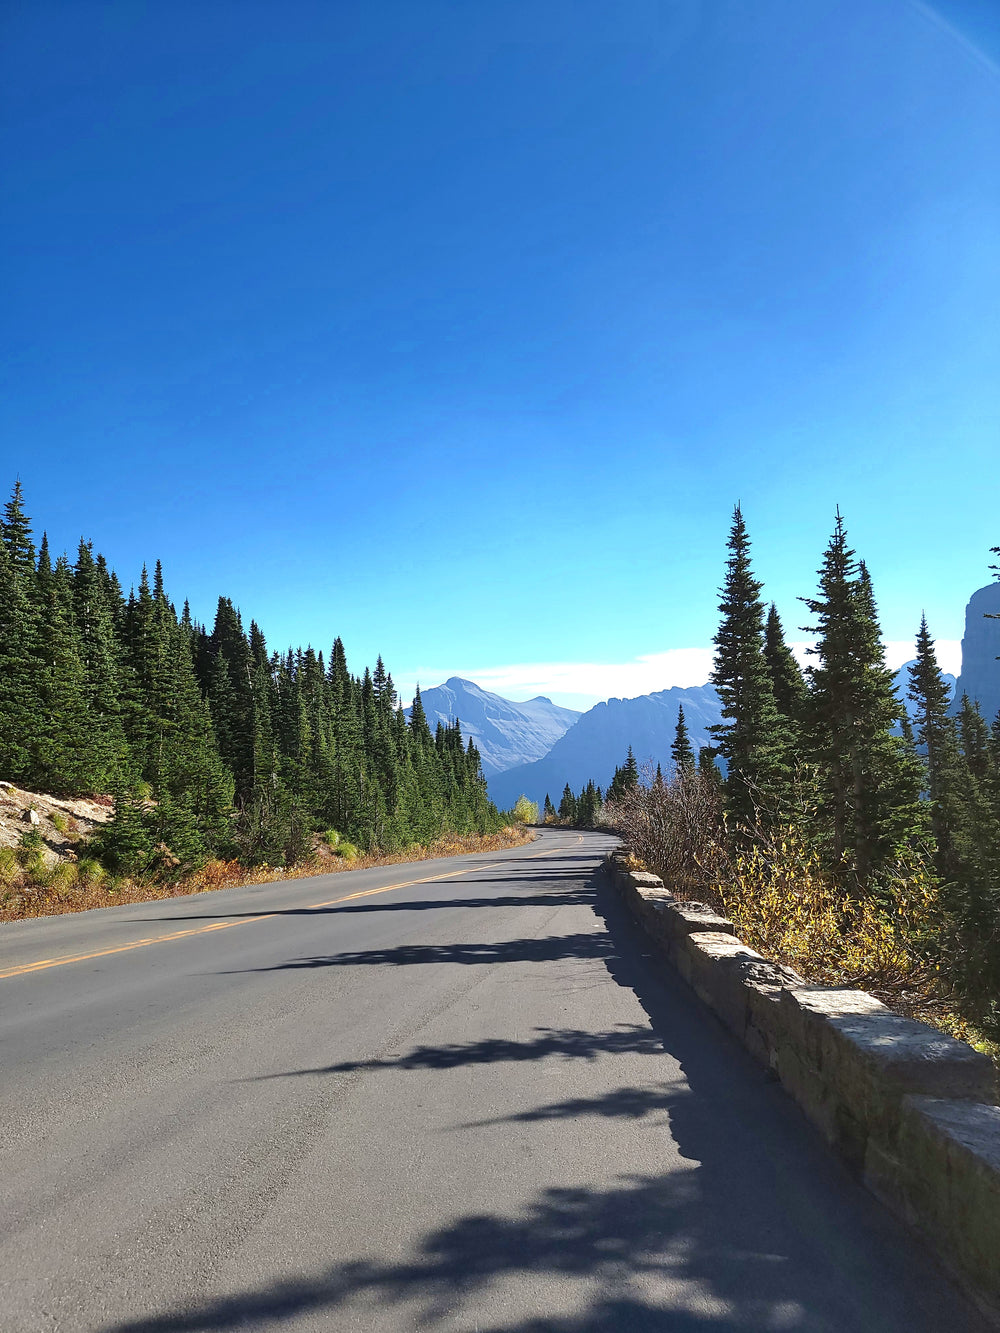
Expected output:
(936, 734)
(15, 533)
(20, 705)
(752, 738)
(870, 778)
(63, 760)
(680, 751)
(567, 806)
(99, 654)
(787, 680)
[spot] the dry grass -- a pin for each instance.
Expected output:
(71, 888)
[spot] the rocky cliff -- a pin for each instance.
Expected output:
(980, 678)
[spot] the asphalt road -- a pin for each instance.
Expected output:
(470, 1101)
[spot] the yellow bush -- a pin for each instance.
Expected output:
(787, 908)
(525, 811)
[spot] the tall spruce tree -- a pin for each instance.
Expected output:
(20, 703)
(752, 738)
(935, 733)
(870, 777)
(680, 751)
(787, 680)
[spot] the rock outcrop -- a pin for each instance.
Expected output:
(980, 678)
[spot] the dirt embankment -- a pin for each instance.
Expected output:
(62, 822)
(69, 881)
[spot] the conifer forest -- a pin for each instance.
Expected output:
(841, 836)
(211, 743)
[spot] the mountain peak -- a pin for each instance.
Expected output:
(505, 733)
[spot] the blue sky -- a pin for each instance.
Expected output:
(458, 329)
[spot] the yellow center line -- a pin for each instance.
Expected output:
(43, 964)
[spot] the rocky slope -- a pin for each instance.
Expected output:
(62, 822)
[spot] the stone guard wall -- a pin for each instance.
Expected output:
(913, 1110)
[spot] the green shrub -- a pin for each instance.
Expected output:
(347, 850)
(331, 837)
(62, 877)
(29, 853)
(10, 868)
(59, 821)
(90, 871)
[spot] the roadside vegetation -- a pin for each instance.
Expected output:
(840, 840)
(29, 888)
(217, 759)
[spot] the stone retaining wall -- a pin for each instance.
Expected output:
(912, 1109)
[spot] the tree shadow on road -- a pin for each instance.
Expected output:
(703, 1249)
(545, 949)
(557, 898)
(561, 1043)
(757, 1228)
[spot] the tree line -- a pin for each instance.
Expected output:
(826, 760)
(211, 743)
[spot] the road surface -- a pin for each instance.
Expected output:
(452, 1095)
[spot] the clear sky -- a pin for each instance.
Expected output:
(458, 328)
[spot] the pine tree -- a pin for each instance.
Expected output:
(752, 738)
(99, 653)
(870, 778)
(567, 806)
(680, 751)
(63, 759)
(15, 533)
(20, 705)
(936, 733)
(787, 680)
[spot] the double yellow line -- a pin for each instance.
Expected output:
(44, 963)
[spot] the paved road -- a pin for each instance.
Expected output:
(467, 1102)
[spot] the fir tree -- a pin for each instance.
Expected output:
(870, 778)
(15, 532)
(20, 704)
(567, 806)
(752, 737)
(787, 680)
(936, 734)
(680, 751)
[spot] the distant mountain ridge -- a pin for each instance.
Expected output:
(506, 734)
(598, 743)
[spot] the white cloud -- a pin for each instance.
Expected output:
(898, 651)
(582, 684)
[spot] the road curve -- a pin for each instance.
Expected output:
(450, 1095)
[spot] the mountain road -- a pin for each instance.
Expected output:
(448, 1095)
